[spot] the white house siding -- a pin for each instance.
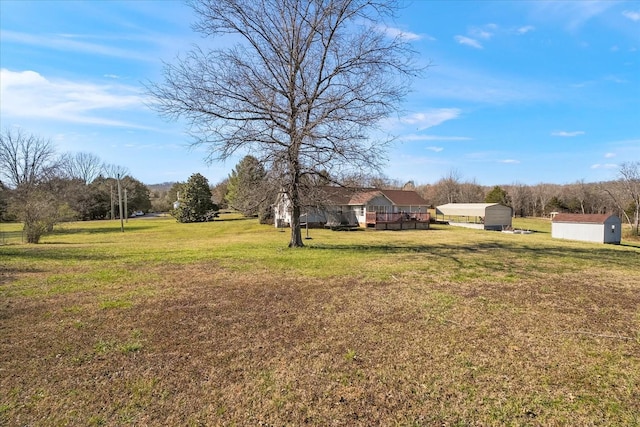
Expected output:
(381, 204)
(377, 204)
(282, 212)
(313, 215)
(355, 204)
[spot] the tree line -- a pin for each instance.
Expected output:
(252, 190)
(41, 187)
(620, 196)
(300, 85)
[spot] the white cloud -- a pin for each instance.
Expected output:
(574, 14)
(434, 138)
(459, 82)
(430, 118)
(631, 14)
(468, 42)
(481, 33)
(435, 149)
(487, 32)
(525, 29)
(407, 35)
(615, 79)
(72, 44)
(604, 166)
(28, 94)
(609, 155)
(567, 134)
(510, 161)
(583, 84)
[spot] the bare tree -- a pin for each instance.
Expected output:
(25, 158)
(428, 192)
(581, 196)
(300, 89)
(27, 162)
(629, 181)
(114, 171)
(521, 199)
(363, 180)
(219, 191)
(541, 195)
(83, 166)
(448, 188)
(471, 192)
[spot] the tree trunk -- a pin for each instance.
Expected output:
(296, 233)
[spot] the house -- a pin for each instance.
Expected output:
(482, 216)
(341, 207)
(599, 228)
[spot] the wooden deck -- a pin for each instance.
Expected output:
(398, 221)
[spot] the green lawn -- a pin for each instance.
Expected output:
(221, 324)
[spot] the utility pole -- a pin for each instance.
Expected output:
(120, 204)
(113, 214)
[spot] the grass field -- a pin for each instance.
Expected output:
(220, 324)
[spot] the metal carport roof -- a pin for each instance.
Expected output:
(464, 209)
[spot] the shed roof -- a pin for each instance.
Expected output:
(466, 209)
(582, 218)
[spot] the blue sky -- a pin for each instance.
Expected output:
(515, 91)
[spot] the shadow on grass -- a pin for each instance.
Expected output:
(100, 230)
(35, 253)
(635, 245)
(11, 237)
(604, 255)
(242, 218)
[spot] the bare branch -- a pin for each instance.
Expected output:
(302, 85)
(25, 158)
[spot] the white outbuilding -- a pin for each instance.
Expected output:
(483, 216)
(598, 228)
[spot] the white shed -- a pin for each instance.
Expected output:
(598, 228)
(483, 216)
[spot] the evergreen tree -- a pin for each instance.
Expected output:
(4, 201)
(497, 195)
(245, 189)
(138, 195)
(195, 203)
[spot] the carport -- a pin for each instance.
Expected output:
(482, 216)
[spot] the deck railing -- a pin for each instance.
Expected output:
(379, 217)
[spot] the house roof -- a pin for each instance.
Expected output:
(361, 196)
(466, 209)
(582, 218)
(404, 198)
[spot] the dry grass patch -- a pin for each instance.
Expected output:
(360, 329)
